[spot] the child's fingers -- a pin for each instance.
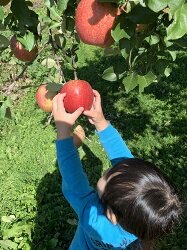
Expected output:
(77, 113)
(54, 103)
(97, 99)
(60, 101)
(89, 113)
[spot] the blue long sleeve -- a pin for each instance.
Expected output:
(75, 185)
(94, 230)
(114, 145)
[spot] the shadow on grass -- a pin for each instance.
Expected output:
(55, 223)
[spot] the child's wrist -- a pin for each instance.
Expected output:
(63, 131)
(101, 125)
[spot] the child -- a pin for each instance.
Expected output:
(134, 203)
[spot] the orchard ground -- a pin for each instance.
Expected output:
(33, 211)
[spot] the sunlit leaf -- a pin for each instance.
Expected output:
(178, 27)
(113, 74)
(49, 63)
(130, 82)
(8, 244)
(146, 80)
(156, 5)
(119, 33)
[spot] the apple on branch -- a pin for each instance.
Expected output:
(20, 52)
(94, 21)
(44, 98)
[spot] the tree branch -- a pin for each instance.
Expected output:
(13, 81)
(73, 60)
(61, 73)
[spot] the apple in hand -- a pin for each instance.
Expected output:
(44, 98)
(79, 93)
(20, 52)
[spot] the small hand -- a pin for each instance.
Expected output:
(95, 115)
(64, 121)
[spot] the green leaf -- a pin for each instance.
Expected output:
(54, 24)
(8, 244)
(146, 80)
(178, 27)
(173, 54)
(25, 16)
(119, 33)
(142, 15)
(27, 40)
(160, 66)
(8, 219)
(167, 71)
(156, 5)
(49, 63)
(182, 42)
(4, 42)
(174, 5)
(130, 82)
(153, 39)
(1, 13)
(53, 243)
(54, 87)
(113, 74)
(3, 110)
(60, 40)
(125, 47)
(50, 4)
(62, 5)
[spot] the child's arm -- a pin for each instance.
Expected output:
(111, 140)
(75, 185)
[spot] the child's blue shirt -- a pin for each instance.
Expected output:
(94, 230)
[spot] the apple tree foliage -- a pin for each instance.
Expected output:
(148, 52)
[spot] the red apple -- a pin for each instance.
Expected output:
(79, 93)
(4, 2)
(20, 52)
(44, 98)
(94, 21)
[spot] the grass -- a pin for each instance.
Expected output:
(33, 212)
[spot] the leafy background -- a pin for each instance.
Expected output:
(34, 213)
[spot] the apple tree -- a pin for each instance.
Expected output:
(145, 33)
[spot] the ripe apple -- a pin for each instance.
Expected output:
(4, 2)
(141, 27)
(44, 98)
(79, 93)
(94, 21)
(20, 52)
(78, 136)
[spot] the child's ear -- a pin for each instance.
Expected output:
(111, 216)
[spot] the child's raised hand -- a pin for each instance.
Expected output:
(64, 121)
(95, 115)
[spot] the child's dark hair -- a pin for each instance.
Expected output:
(143, 200)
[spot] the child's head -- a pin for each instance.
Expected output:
(141, 199)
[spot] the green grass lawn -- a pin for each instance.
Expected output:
(34, 214)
